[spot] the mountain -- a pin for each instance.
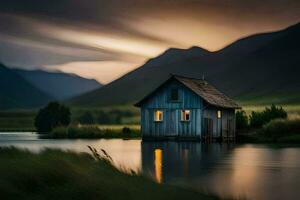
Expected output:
(59, 85)
(16, 92)
(263, 68)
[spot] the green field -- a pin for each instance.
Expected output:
(55, 174)
(17, 120)
(95, 131)
(23, 120)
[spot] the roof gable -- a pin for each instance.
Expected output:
(202, 88)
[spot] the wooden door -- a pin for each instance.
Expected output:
(208, 129)
(219, 127)
(230, 128)
(171, 123)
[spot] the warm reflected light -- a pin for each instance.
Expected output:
(158, 164)
(103, 71)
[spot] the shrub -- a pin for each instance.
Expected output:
(93, 131)
(53, 115)
(241, 120)
(258, 119)
(274, 112)
(281, 130)
(126, 131)
(104, 118)
(86, 118)
(114, 116)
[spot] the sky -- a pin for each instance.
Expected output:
(104, 39)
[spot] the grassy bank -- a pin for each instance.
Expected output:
(276, 131)
(17, 120)
(54, 174)
(23, 119)
(96, 131)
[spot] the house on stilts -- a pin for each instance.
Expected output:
(187, 108)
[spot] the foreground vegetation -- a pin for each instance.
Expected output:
(95, 131)
(54, 174)
(276, 131)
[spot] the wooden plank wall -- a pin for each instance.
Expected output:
(227, 114)
(161, 100)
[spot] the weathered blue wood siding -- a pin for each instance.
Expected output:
(172, 126)
(227, 114)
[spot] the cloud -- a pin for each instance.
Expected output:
(115, 36)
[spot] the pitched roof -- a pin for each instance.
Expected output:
(203, 89)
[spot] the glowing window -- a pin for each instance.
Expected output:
(185, 115)
(219, 114)
(158, 115)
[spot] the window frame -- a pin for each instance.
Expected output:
(171, 95)
(156, 115)
(183, 114)
(219, 114)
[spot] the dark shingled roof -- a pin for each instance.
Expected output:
(208, 92)
(203, 89)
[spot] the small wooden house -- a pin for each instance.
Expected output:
(187, 108)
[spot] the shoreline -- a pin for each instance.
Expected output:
(59, 175)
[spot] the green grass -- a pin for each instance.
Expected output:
(96, 131)
(59, 175)
(23, 120)
(135, 119)
(17, 120)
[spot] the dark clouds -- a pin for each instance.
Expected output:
(38, 33)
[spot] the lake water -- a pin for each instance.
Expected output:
(228, 170)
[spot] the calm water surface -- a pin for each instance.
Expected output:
(228, 170)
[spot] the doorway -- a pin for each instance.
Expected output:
(171, 123)
(208, 129)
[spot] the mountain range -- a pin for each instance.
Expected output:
(30, 89)
(59, 85)
(259, 69)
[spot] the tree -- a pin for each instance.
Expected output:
(241, 120)
(51, 116)
(258, 119)
(86, 118)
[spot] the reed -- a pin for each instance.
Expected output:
(56, 174)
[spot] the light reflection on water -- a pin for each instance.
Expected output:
(125, 153)
(246, 171)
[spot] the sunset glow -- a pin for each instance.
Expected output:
(115, 37)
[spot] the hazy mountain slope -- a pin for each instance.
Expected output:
(271, 70)
(135, 84)
(59, 85)
(261, 66)
(16, 92)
